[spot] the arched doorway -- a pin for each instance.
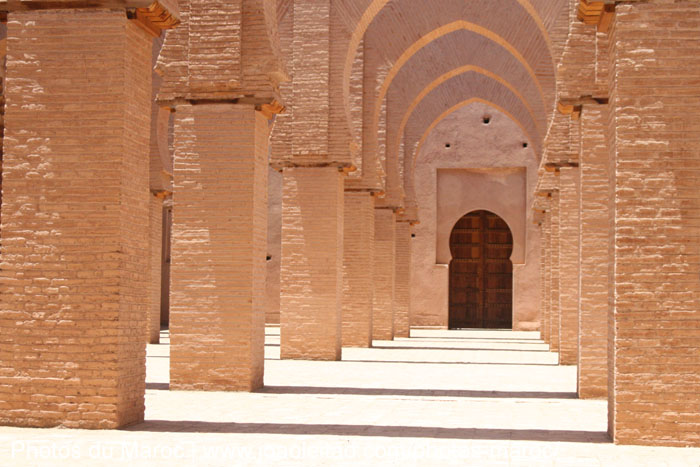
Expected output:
(481, 273)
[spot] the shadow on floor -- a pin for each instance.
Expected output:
(518, 340)
(399, 347)
(416, 392)
(437, 363)
(158, 386)
(570, 436)
(421, 341)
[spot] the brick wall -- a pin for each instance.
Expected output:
(74, 281)
(545, 262)
(274, 246)
(358, 269)
(402, 290)
(554, 310)
(156, 256)
(593, 311)
(655, 156)
(219, 248)
(384, 274)
(569, 264)
(576, 72)
(312, 262)
(311, 70)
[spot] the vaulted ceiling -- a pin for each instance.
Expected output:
(430, 58)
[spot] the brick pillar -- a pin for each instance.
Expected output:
(655, 157)
(593, 312)
(554, 275)
(217, 302)
(568, 264)
(74, 280)
(156, 264)
(402, 290)
(546, 261)
(358, 269)
(312, 263)
(384, 274)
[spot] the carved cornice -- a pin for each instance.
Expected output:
(271, 109)
(557, 166)
(570, 109)
(596, 12)
(155, 18)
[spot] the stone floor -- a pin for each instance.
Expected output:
(440, 398)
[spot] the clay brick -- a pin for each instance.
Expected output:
(358, 269)
(655, 290)
(156, 257)
(75, 264)
(312, 262)
(402, 290)
(384, 274)
(569, 222)
(554, 310)
(274, 247)
(593, 311)
(545, 264)
(311, 64)
(219, 243)
(222, 50)
(576, 72)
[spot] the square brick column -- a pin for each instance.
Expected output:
(402, 289)
(358, 269)
(569, 264)
(554, 275)
(75, 242)
(655, 172)
(384, 274)
(312, 263)
(219, 242)
(156, 263)
(593, 311)
(546, 261)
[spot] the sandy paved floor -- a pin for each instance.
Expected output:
(440, 398)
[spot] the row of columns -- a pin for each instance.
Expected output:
(575, 230)
(621, 245)
(81, 235)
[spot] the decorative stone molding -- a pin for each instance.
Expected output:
(155, 18)
(599, 13)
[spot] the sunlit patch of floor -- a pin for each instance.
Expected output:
(438, 398)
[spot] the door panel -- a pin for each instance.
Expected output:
(481, 273)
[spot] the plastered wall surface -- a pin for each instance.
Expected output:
(481, 169)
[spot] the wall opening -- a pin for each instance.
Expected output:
(481, 273)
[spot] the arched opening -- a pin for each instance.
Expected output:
(481, 273)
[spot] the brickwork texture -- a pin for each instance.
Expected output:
(358, 269)
(75, 234)
(384, 274)
(219, 244)
(312, 263)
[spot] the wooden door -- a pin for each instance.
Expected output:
(481, 273)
